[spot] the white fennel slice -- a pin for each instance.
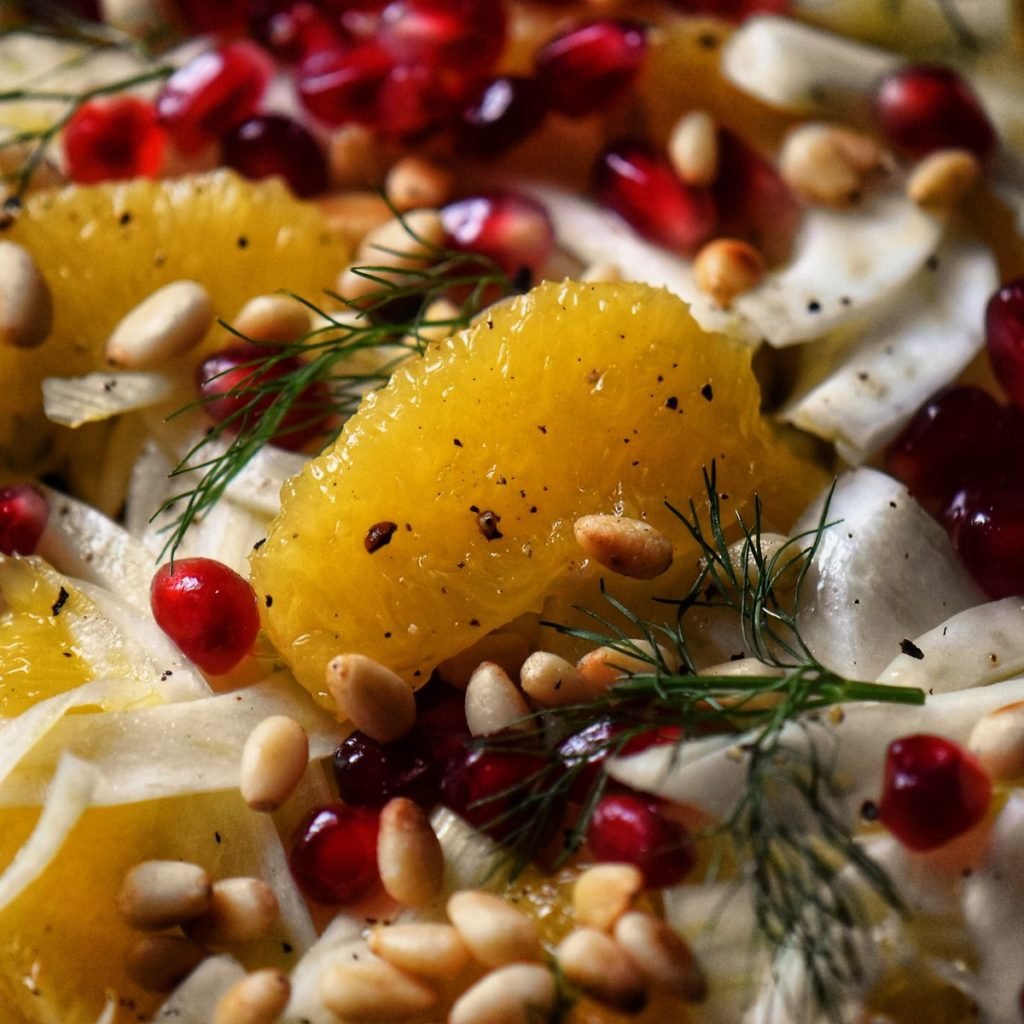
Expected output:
(194, 999)
(920, 342)
(75, 401)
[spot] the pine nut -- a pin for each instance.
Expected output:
(403, 243)
(259, 998)
(629, 547)
(26, 306)
(997, 740)
(414, 182)
(435, 324)
(552, 681)
(943, 179)
(375, 699)
(158, 963)
(409, 856)
(274, 759)
(433, 950)
(159, 893)
(605, 666)
(493, 703)
(693, 148)
(829, 165)
(593, 961)
(272, 318)
(661, 955)
(241, 910)
(727, 268)
(603, 893)
(509, 650)
(354, 158)
(601, 273)
(495, 932)
(167, 323)
(771, 545)
(517, 994)
(374, 991)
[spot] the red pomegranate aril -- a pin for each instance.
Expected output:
(214, 92)
(584, 753)
(369, 773)
(23, 515)
(1004, 335)
(441, 730)
(271, 144)
(933, 791)
(292, 32)
(513, 230)
(731, 10)
(630, 829)
(220, 16)
(636, 181)
(414, 100)
(507, 110)
(341, 86)
(586, 69)
(334, 853)
(114, 140)
(925, 107)
(986, 526)
(208, 610)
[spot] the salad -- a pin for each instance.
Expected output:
(510, 511)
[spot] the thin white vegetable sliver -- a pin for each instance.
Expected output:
(194, 999)
(69, 796)
(75, 401)
(341, 942)
(274, 870)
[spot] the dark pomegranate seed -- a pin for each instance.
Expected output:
(23, 515)
(214, 92)
(114, 140)
(731, 10)
(934, 790)
(637, 182)
(237, 390)
(1004, 333)
(334, 853)
(414, 100)
(924, 107)
(339, 86)
(269, 145)
(369, 773)
(293, 32)
(512, 230)
(986, 526)
(207, 609)
(441, 731)
(507, 110)
(221, 16)
(588, 68)
(584, 753)
(631, 830)
(957, 438)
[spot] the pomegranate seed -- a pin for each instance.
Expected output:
(505, 112)
(584, 754)
(212, 93)
(630, 829)
(924, 107)
(270, 144)
(369, 773)
(1004, 333)
(414, 100)
(114, 140)
(638, 183)
(587, 68)
(731, 10)
(510, 229)
(223, 16)
(986, 526)
(294, 31)
(23, 515)
(237, 391)
(334, 853)
(441, 730)
(339, 86)
(208, 610)
(934, 790)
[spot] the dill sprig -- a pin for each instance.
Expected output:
(289, 388)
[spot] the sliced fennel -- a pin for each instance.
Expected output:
(195, 997)
(75, 401)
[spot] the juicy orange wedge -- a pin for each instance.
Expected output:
(446, 507)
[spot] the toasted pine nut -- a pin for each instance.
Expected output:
(409, 856)
(495, 932)
(552, 681)
(727, 268)
(158, 963)
(997, 740)
(26, 306)
(605, 666)
(594, 962)
(414, 182)
(629, 547)
(405, 242)
(272, 318)
(829, 165)
(770, 545)
(517, 994)
(167, 323)
(661, 955)
(274, 759)
(598, 273)
(603, 893)
(371, 696)
(432, 326)
(159, 893)
(241, 910)
(693, 148)
(493, 703)
(354, 158)
(943, 179)
(374, 991)
(259, 998)
(509, 650)
(433, 950)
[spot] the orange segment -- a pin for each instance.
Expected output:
(570, 400)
